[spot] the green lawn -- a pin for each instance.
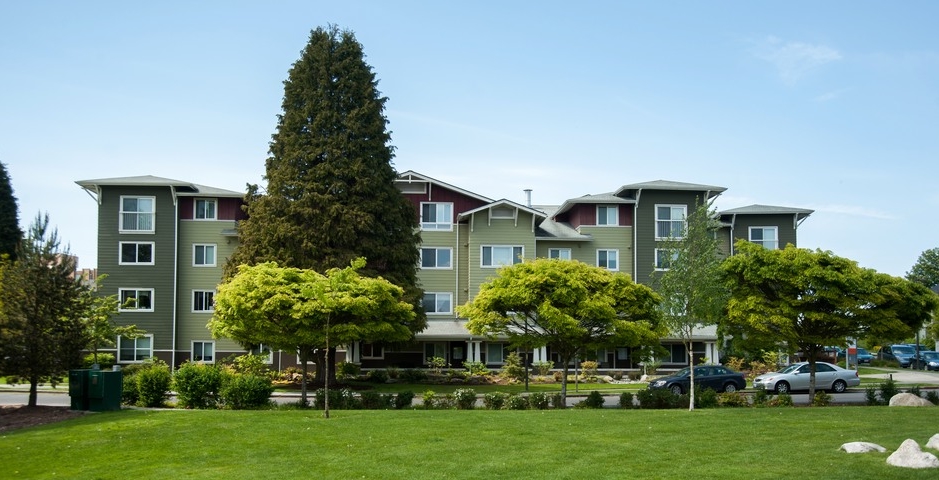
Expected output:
(714, 443)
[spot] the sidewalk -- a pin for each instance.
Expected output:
(907, 376)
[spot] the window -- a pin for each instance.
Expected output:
(436, 257)
(608, 259)
(371, 350)
(203, 300)
(561, 253)
(664, 258)
(437, 216)
(265, 351)
(203, 352)
(435, 349)
(437, 303)
(495, 353)
(607, 215)
(502, 212)
(501, 255)
(205, 209)
(136, 253)
(137, 214)
(670, 221)
(203, 255)
(136, 299)
(766, 236)
(134, 349)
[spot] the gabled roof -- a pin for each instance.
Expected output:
(508, 203)
(766, 210)
(412, 176)
(551, 230)
(181, 188)
(601, 198)
(713, 190)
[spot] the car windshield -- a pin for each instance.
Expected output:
(930, 355)
(862, 351)
(903, 349)
(681, 373)
(791, 368)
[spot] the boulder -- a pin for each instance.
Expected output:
(862, 447)
(933, 442)
(909, 400)
(909, 455)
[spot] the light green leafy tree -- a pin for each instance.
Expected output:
(100, 328)
(301, 310)
(804, 299)
(572, 306)
(692, 293)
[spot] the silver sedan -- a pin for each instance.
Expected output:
(796, 377)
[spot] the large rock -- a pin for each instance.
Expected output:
(933, 442)
(862, 447)
(910, 456)
(909, 400)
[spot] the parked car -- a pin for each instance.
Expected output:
(796, 377)
(863, 356)
(926, 360)
(716, 377)
(900, 353)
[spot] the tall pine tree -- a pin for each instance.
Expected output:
(330, 195)
(10, 233)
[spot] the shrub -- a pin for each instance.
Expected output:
(589, 368)
(821, 399)
(915, 390)
(760, 397)
(870, 395)
(465, 398)
(933, 397)
(557, 401)
(539, 401)
(375, 400)
(877, 362)
(887, 390)
(246, 391)
(412, 375)
(129, 394)
(403, 400)
(251, 364)
(197, 385)
(428, 399)
(153, 383)
(634, 376)
(339, 399)
(781, 400)
(513, 367)
(378, 376)
(626, 400)
(494, 400)
(543, 368)
(436, 363)
(476, 368)
(658, 398)
(347, 370)
(393, 372)
(105, 361)
(734, 363)
(706, 398)
(733, 399)
(516, 402)
(593, 400)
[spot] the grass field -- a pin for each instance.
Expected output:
(704, 444)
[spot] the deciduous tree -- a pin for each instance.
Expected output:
(572, 306)
(100, 328)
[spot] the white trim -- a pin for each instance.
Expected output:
(192, 304)
(195, 247)
(655, 260)
(684, 218)
(120, 253)
(192, 350)
(436, 258)
(449, 295)
(560, 251)
(440, 224)
(261, 348)
(195, 209)
(120, 298)
(614, 250)
(515, 260)
(120, 340)
(121, 213)
(775, 239)
(615, 209)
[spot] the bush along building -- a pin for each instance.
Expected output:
(162, 244)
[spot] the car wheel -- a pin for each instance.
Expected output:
(676, 389)
(782, 387)
(839, 386)
(730, 388)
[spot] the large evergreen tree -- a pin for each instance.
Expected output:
(41, 309)
(330, 195)
(10, 233)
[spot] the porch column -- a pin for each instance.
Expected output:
(474, 353)
(356, 353)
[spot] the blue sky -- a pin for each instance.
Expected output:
(832, 106)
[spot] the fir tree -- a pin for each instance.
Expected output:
(10, 233)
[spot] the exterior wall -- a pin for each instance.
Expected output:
(784, 222)
(159, 276)
(499, 232)
(608, 238)
(645, 226)
(442, 280)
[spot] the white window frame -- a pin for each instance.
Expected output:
(121, 213)
(211, 306)
(261, 348)
(608, 251)
(120, 298)
(442, 224)
(206, 201)
(559, 253)
(437, 265)
(660, 222)
(120, 253)
(195, 248)
(774, 241)
(438, 296)
(516, 257)
(203, 343)
(120, 344)
(658, 258)
(605, 221)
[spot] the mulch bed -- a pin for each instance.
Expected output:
(14, 417)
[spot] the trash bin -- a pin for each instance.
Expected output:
(104, 390)
(78, 388)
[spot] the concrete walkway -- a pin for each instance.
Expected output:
(906, 376)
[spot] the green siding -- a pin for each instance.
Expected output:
(645, 225)
(607, 238)
(498, 232)
(784, 223)
(158, 276)
(442, 280)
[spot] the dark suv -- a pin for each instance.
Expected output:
(899, 353)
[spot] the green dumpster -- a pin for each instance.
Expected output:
(78, 388)
(104, 390)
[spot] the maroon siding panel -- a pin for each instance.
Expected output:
(584, 214)
(186, 209)
(230, 209)
(626, 215)
(461, 203)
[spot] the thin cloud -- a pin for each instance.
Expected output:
(853, 210)
(793, 60)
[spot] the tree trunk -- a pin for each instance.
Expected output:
(304, 356)
(33, 391)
